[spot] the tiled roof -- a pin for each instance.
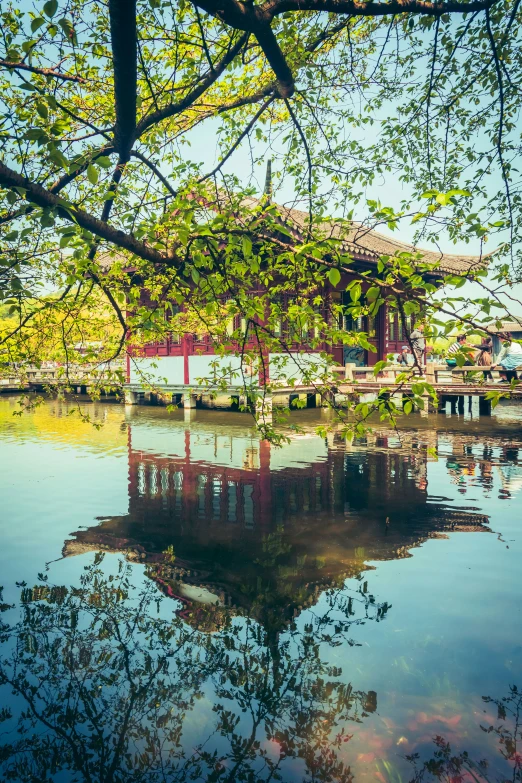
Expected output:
(508, 326)
(363, 243)
(367, 244)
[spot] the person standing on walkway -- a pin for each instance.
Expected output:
(418, 342)
(484, 357)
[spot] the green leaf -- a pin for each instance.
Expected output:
(410, 308)
(247, 246)
(66, 239)
(50, 8)
(334, 276)
(58, 127)
(66, 26)
(42, 110)
(442, 199)
(408, 407)
(461, 359)
(104, 161)
(458, 192)
(37, 23)
(13, 55)
(355, 292)
(92, 174)
(47, 219)
(372, 293)
(33, 134)
(59, 158)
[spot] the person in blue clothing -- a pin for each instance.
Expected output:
(510, 359)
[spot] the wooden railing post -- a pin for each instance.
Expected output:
(348, 371)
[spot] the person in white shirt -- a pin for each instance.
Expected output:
(510, 359)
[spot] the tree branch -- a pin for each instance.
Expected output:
(58, 185)
(35, 194)
(124, 54)
(240, 138)
(157, 172)
(256, 19)
(175, 108)
(309, 162)
(66, 77)
(271, 8)
(65, 179)
(272, 51)
(204, 40)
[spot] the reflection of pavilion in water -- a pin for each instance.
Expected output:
(268, 529)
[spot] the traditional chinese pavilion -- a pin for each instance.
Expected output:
(179, 361)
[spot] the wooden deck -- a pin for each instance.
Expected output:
(452, 386)
(40, 378)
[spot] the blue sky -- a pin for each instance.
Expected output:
(389, 191)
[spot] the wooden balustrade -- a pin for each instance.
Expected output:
(437, 374)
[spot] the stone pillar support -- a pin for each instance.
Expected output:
(131, 398)
(189, 400)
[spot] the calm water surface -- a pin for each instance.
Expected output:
(184, 602)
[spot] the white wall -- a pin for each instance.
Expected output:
(284, 367)
(203, 367)
(207, 445)
(169, 369)
(156, 369)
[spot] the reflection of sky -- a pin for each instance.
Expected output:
(452, 633)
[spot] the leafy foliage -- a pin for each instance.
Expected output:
(101, 685)
(102, 196)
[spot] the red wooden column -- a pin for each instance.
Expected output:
(186, 344)
(382, 332)
(264, 370)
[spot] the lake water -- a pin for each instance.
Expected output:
(318, 612)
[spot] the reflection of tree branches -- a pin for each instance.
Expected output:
(99, 686)
(449, 766)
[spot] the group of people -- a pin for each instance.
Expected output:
(508, 362)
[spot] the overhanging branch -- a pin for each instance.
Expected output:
(51, 72)
(271, 8)
(257, 19)
(124, 54)
(38, 195)
(175, 108)
(272, 51)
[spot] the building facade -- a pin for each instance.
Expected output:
(183, 360)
